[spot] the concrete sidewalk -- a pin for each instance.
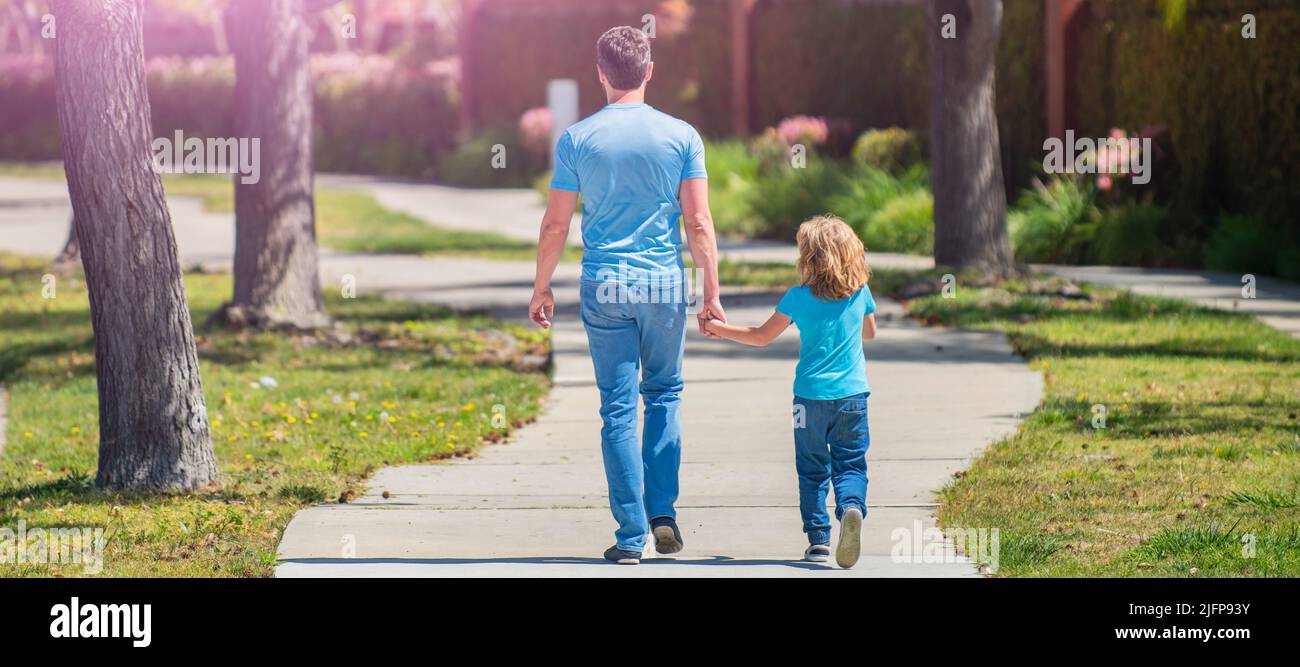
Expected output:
(1276, 302)
(537, 506)
(516, 213)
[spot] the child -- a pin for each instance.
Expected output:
(834, 311)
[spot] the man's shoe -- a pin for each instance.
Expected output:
(668, 540)
(846, 552)
(817, 553)
(622, 556)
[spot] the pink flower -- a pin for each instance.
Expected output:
(446, 67)
(535, 130)
(808, 130)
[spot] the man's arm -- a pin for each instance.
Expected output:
(698, 221)
(550, 247)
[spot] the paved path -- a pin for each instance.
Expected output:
(537, 507)
(515, 213)
(1276, 302)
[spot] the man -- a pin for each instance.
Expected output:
(638, 170)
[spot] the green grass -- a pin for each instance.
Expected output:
(46, 171)
(426, 384)
(346, 220)
(354, 222)
(1197, 469)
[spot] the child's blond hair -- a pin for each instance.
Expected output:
(832, 260)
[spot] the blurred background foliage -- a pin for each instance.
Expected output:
(1220, 109)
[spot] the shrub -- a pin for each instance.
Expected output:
(371, 114)
(1054, 222)
(905, 224)
(770, 152)
(781, 201)
(1288, 262)
(732, 176)
(375, 115)
(1129, 236)
(473, 163)
(192, 94)
(1243, 243)
(890, 213)
(29, 126)
(892, 149)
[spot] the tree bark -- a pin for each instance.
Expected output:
(277, 281)
(153, 427)
(970, 203)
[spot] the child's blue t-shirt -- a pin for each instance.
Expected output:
(831, 363)
(628, 161)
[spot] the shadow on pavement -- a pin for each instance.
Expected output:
(555, 560)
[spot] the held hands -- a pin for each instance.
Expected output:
(710, 309)
(542, 307)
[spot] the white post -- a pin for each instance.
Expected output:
(562, 99)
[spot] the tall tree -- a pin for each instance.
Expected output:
(153, 427)
(277, 280)
(970, 202)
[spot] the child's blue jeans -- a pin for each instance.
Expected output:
(830, 448)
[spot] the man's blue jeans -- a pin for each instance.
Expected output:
(830, 447)
(627, 339)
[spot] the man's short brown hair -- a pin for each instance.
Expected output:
(623, 54)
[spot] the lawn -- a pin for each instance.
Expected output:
(1195, 470)
(346, 220)
(296, 420)
(353, 221)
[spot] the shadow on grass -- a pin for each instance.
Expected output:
(1034, 345)
(14, 358)
(1156, 419)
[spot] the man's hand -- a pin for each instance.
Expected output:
(710, 309)
(542, 307)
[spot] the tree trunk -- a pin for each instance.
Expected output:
(70, 256)
(277, 281)
(153, 427)
(970, 203)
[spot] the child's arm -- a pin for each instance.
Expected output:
(756, 336)
(869, 327)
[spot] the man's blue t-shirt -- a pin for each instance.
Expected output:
(628, 161)
(831, 363)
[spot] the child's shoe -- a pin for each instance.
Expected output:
(817, 553)
(846, 552)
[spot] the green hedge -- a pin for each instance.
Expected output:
(861, 62)
(372, 115)
(1229, 104)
